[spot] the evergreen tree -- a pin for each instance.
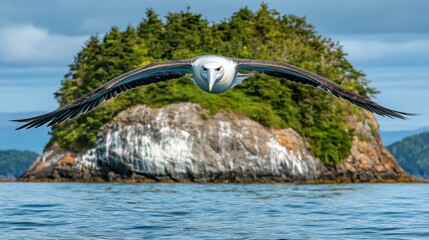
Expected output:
(263, 34)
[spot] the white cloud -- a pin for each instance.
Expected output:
(363, 50)
(29, 44)
(385, 52)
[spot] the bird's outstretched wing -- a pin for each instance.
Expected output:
(299, 75)
(152, 73)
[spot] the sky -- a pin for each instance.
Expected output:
(386, 39)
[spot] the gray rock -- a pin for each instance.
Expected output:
(181, 143)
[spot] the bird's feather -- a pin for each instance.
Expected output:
(240, 78)
(299, 75)
(152, 73)
(157, 72)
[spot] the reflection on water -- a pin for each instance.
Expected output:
(213, 211)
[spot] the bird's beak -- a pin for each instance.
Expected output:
(212, 79)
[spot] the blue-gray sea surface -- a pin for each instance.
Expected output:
(213, 211)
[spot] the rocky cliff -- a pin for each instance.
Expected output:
(184, 143)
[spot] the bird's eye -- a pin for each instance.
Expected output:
(218, 69)
(205, 69)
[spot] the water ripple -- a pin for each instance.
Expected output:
(213, 211)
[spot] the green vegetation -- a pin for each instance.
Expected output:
(412, 154)
(263, 34)
(13, 162)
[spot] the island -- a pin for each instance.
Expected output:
(264, 130)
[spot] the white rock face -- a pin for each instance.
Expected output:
(176, 142)
(182, 142)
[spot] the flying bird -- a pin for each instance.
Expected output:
(212, 74)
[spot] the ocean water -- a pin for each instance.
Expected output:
(213, 211)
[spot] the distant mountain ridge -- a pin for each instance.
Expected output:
(389, 137)
(13, 163)
(31, 139)
(412, 154)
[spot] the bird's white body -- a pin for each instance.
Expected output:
(225, 78)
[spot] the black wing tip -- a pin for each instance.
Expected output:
(21, 120)
(399, 114)
(28, 125)
(381, 110)
(34, 122)
(22, 126)
(28, 122)
(405, 116)
(386, 112)
(57, 116)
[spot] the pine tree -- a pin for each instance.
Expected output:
(263, 34)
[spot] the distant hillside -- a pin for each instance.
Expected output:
(412, 154)
(13, 163)
(390, 137)
(30, 139)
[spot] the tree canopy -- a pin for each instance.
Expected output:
(264, 34)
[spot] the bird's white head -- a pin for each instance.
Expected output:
(213, 74)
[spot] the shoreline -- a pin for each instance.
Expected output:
(315, 182)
